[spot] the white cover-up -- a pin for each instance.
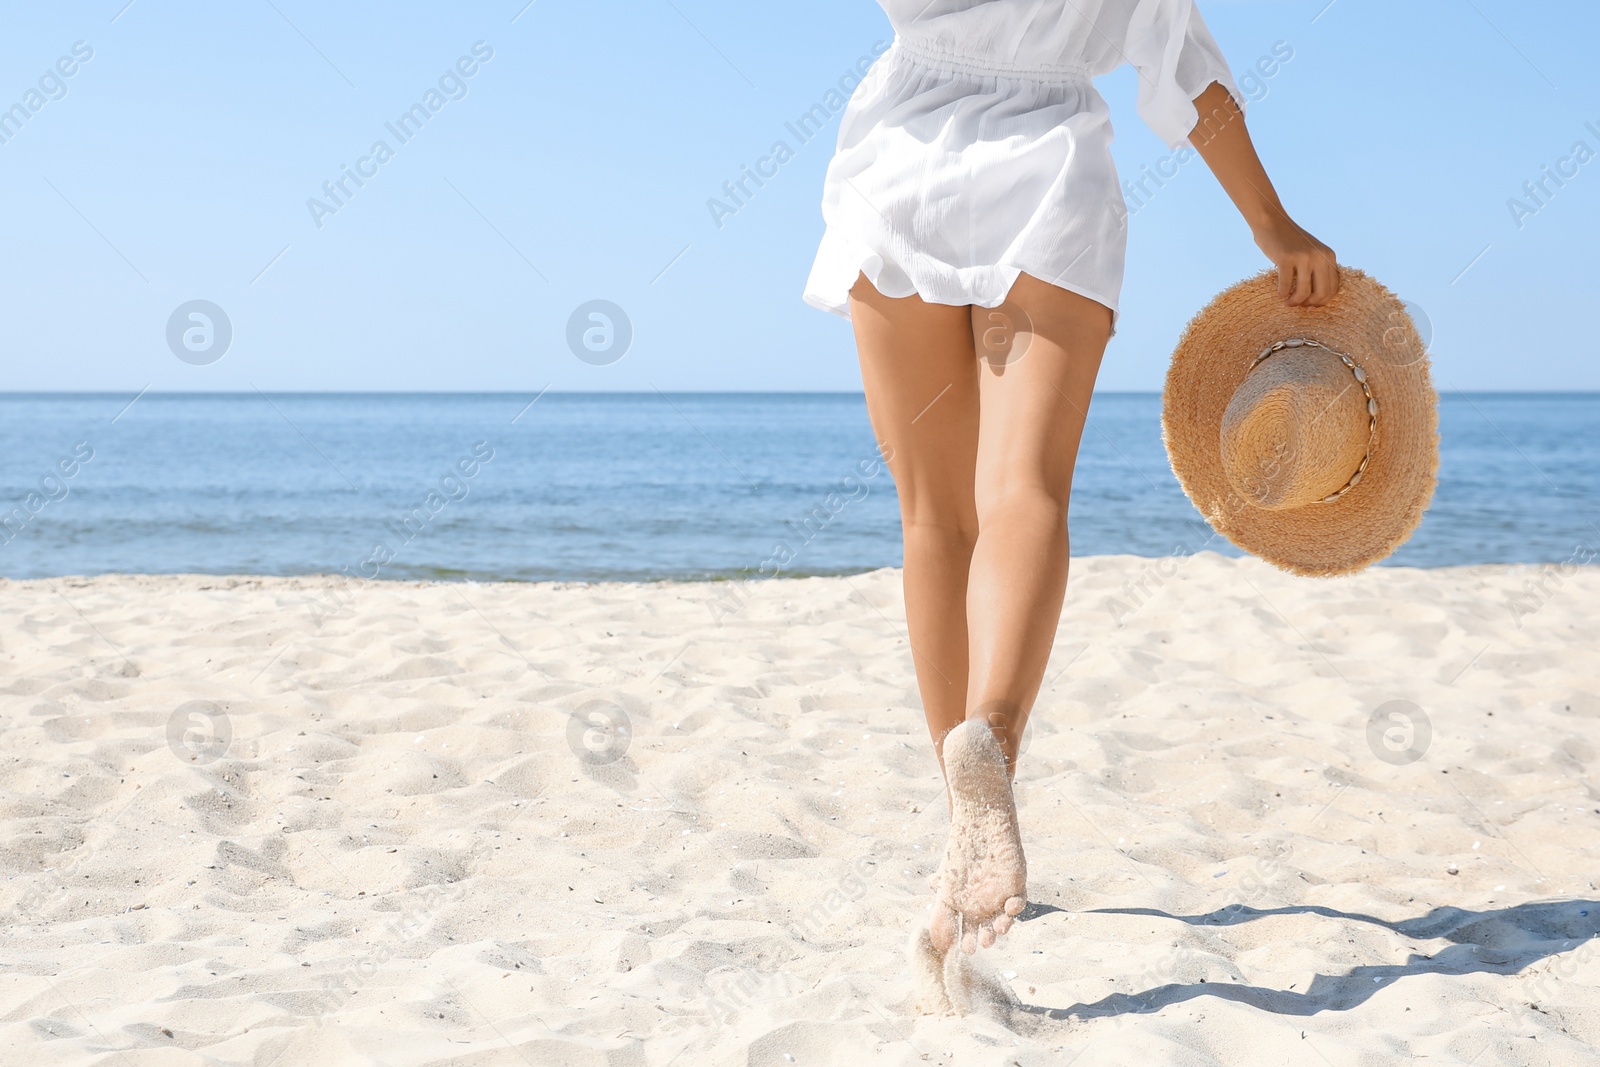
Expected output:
(976, 147)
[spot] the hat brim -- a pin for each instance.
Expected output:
(1365, 321)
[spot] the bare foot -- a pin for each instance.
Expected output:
(983, 882)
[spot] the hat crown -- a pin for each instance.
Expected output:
(1295, 430)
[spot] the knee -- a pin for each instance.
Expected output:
(954, 523)
(1033, 498)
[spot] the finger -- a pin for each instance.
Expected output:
(1302, 282)
(1285, 280)
(1323, 280)
(1319, 286)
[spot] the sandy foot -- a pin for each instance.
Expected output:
(983, 881)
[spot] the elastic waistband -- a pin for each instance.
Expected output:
(925, 53)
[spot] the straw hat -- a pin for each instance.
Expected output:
(1307, 436)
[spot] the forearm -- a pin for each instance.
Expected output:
(1308, 269)
(1308, 272)
(1223, 141)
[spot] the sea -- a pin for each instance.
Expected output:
(644, 487)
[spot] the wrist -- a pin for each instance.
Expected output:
(1269, 219)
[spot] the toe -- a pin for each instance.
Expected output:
(941, 927)
(1015, 905)
(1002, 923)
(986, 936)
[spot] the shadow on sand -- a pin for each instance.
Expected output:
(1502, 941)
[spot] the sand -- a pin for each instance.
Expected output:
(381, 837)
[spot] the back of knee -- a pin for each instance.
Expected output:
(947, 522)
(1024, 497)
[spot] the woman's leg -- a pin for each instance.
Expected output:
(920, 373)
(1033, 402)
(982, 457)
(1033, 411)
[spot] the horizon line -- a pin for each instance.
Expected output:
(148, 391)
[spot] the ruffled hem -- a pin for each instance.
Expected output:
(839, 263)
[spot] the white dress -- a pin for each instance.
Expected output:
(976, 147)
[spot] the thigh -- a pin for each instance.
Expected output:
(920, 374)
(1040, 352)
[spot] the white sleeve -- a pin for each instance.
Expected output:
(1176, 58)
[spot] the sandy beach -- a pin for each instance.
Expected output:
(1268, 820)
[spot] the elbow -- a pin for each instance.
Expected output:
(1216, 111)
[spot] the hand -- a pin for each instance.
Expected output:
(1308, 273)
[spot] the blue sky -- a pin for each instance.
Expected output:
(575, 163)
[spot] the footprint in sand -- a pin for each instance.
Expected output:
(982, 884)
